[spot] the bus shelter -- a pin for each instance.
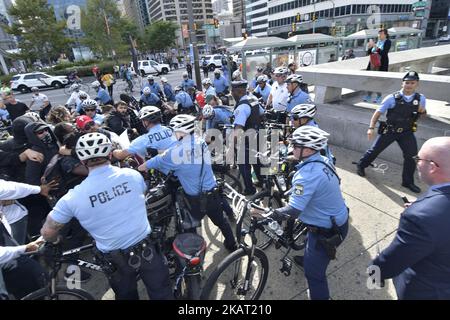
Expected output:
(313, 49)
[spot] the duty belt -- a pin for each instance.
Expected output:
(141, 250)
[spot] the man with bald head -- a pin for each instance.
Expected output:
(418, 259)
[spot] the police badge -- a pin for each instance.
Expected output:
(298, 189)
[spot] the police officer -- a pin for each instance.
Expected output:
(110, 205)
(148, 98)
(254, 82)
(263, 89)
(154, 87)
(158, 138)
(184, 101)
(220, 83)
(187, 82)
(316, 200)
(216, 115)
(403, 110)
(167, 89)
(247, 115)
(296, 94)
(209, 89)
(90, 107)
(103, 96)
(190, 161)
(279, 94)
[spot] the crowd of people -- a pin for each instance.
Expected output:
(60, 161)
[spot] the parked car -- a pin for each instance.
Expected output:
(444, 38)
(150, 67)
(25, 81)
(214, 61)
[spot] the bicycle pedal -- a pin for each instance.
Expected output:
(286, 266)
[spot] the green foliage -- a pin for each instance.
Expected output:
(40, 35)
(160, 35)
(105, 30)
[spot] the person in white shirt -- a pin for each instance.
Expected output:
(19, 275)
(74, 99)
(279, 94)
(38, 100)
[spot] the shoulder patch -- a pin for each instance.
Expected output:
(298, 189)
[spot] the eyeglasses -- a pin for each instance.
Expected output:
(89, 110)
(417, 159)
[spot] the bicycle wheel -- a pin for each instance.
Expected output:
(61, 293)
(263, 198)
(227, 281)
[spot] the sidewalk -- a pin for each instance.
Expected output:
(375, 207)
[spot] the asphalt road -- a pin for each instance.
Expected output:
(57, 96)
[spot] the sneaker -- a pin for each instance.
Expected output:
(366, 98)
(299, 260)
(84, 276)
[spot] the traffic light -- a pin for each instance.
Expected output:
(294, 27)
(195, 26)
(314, 17)
(216, 23)
(297, 18)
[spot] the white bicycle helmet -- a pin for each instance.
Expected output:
(236, 74)
(177, 88)
(185, 74)
(208, 111)
(304, 110)
(310, 137)
(150, 113)
(280, 70)
(83, 95)
(164, 79)
(93, 145)
(294, 78)
(89, 103)
(150, 77)
(75, 86)
(206, 81)
(262, 78)
(95, 84)
(146, 90)
(216, 71)
(183, 123)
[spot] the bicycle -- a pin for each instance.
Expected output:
(54, 291)
(83, 87)
(243, 274)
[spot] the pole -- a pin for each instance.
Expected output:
(193, 37)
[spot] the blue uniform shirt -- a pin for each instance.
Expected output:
(4, 114)
(185, 159)
(98, 118)
(389, 101)
(184, 100)
(221, 116)
(316, 192)
(210, 91)
(110, 205)
(158, 137)
(186, 84)
(103, 96)
(297, 98)
(264, 92)
(155, 88)
(242, 113)
(150, 100)
(168, 92)
(220, 84)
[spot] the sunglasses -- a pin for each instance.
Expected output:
(417, 159)
(89, 125)
(89, 110)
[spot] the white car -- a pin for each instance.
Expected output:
(444, 38)
(25, 81)
(214, 61)
(150, 67)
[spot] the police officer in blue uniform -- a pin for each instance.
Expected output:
(296, 94)
(154, 87)
(403, 110)
(263, 89)
(159, 138)
(216, 116)
(190, 161)
(110, 205)
(316, 200)
(148, 98)
(187, 83)
(103, 96)
(220, 83)
(168, 91)
(247, 116)
(209, 89)
(418, 259)
(183, 101)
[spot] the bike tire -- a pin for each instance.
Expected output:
(210, 290)
(272, 201)
(194, 286)
(44, 293)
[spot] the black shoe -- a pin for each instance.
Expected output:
(299, 260)
(412, 187)
(84, 276)
(231, 248)
(360, 170)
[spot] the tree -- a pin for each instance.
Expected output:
(39, 35)
(106, 32)
(160, 35)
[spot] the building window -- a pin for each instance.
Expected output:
(348, 9)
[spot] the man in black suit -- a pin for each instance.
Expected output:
(418, 259)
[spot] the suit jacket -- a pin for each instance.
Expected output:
(418, 259)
